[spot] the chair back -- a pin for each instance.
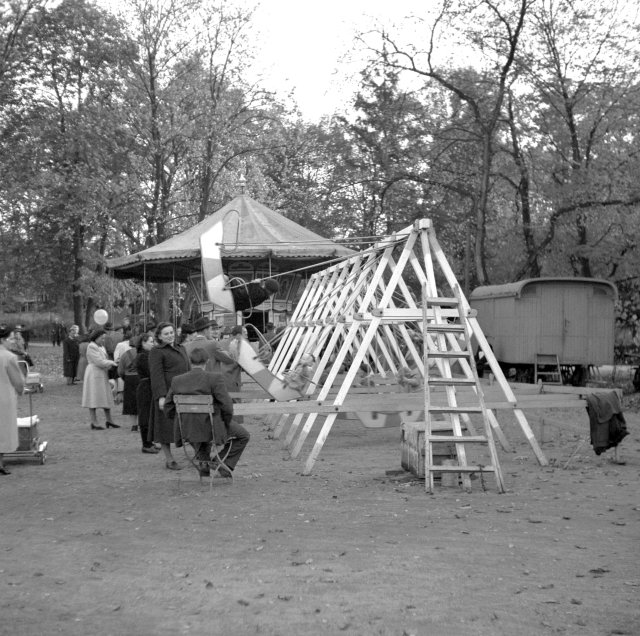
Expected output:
(194, 404)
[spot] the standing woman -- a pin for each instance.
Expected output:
(143, 392)
(11, 383)
(166, 360)
(71, 354)
(128, 376)
(96, 390)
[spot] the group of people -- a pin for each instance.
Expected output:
(148, 370)
(144, 373)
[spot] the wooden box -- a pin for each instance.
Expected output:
(28, 435)
(413, 449)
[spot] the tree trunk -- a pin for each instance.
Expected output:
(481, 209)
(523, 191)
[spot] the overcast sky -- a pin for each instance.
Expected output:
(303, 43)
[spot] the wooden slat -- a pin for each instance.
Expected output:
(435, 353)
(402, 402)
(432, 328)
(440, 468)
(455, 439)
(455, 409)
(451, 381)
(442, 301)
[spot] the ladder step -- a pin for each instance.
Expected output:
(435, 353)
(452, 381)
(442, 301)
(457, 439)
(445, 328)
(455, 409)
(439, 468)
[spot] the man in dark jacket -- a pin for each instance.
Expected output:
(196, 427)
(250, 295)
(203, 339)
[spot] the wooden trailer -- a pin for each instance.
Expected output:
(549, 329)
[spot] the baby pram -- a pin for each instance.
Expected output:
(32, 380)
(30, 446)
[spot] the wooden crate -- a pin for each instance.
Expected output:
(28, 434)
(412, 448)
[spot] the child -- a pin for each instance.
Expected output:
(298, 378)
(408, 379)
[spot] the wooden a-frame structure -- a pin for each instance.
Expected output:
(360, 318)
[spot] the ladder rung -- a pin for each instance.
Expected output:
(445, 328)
(452, 381)
(455, 409)
(439, 468)
(547, 358)
(435, 353)
(442, 301)
(457, 439)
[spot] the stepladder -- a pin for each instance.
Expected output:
(547, 369)
(452, 391)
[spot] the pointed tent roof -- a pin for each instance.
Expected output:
(252, 232)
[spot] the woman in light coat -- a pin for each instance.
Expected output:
(11, 383)
(96, 390)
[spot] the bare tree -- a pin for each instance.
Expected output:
(493, 30)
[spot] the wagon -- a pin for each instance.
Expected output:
(30, 445)
(549, 329)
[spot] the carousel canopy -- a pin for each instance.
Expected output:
(252, 233)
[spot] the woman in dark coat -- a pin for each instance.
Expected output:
(128, 373)
(71, 355)
(143, 391)
(166, 360)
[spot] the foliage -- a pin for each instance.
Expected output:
(117, 131)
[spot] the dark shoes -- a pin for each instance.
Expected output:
(95, 427)
(151, 450)
(112, 425)
(204, 469)
(173, 465)
(4, 470)
(134, 428)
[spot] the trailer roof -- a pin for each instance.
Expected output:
(516, 289)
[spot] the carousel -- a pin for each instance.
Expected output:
(227, 256)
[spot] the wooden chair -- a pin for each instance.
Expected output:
(201, 404)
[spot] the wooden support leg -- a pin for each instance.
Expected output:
(324, 432)
(293, 430)
(306, 429)
(281, 423)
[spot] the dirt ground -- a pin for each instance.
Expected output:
(102, 539)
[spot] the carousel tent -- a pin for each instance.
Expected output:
(252, 233)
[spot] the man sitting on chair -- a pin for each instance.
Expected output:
(196, 427)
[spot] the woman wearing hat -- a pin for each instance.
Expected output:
(96, 390)
(11, 383)
(166, 360)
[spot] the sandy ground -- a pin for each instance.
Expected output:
(104, 540)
